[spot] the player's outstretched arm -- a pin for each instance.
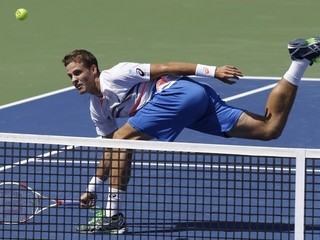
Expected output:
(227, 73)
(172, 68)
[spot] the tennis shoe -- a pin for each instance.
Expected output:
(305, 48)
(100, 224)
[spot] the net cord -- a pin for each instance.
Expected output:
(160, 146)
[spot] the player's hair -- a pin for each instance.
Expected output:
(81, 56)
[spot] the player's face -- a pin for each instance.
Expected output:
(83, 79)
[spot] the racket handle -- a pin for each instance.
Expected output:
(67, 202)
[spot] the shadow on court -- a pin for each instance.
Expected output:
(221, 226)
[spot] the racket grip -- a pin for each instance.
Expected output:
(67, 202)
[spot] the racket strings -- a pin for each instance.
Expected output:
(17, 203)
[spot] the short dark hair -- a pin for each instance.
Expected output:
(81, 56)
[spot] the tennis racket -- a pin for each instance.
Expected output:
(20, 203)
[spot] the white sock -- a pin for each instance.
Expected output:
(296, 71)
(113, 201)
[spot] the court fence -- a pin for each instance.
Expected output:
(176, 191)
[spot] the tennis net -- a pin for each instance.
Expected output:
(176, 191)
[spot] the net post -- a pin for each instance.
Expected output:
(300, 194)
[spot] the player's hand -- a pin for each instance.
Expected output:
(228, 74)
(87, 200)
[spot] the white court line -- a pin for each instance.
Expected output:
(249, 92)
(34, 159)
(71, 88)
(178, 165)
(16, 164)
(36, 98)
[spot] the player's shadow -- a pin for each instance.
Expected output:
(225, 226)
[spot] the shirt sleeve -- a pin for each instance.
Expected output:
(125, 75)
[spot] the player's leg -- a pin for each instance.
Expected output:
(271, 125)
(120, 168)
(120, 159)
(304, 52)
(117, 164)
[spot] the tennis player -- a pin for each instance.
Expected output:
(160, 100)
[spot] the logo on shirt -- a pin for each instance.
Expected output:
(140, 72)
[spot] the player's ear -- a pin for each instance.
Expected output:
(94, 69)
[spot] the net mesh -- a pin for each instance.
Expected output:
(176, 191)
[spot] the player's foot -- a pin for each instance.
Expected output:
(104, 225)
(305, 48)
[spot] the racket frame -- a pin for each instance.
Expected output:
(40, 197)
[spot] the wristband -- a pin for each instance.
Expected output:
(205, 71)
(93, 184)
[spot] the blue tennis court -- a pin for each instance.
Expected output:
(67, 114)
